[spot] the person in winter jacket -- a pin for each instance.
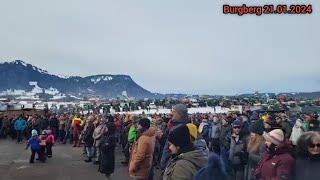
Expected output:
(88, 139)
(43, 124)
(215, 133)
(255, 149)
(297, 131)
(76, 130)
(142, 151)
(43, 144)
(312, 123)
(284, 124)
(128, 138)
(204, 130)
(225, 139)
(185, 161)
(34, 144)
(62, 127)
(215, 170)
(238, 155)
(277, 162)
(198, 142)
(54, 125)
(308, 161)
(179, 118)
(107, 148)
(20, 125)
(97, 135)
(49, 143)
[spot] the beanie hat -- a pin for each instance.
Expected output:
(257, 128)
(193, 130)
(275, 136)
(182, 110)
(236, 123)
(144, 122)
(34, 132)
(180, 136)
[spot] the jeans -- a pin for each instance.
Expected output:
(19, 135)
(90, 151)
(62, 135)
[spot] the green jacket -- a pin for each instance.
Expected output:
(185, 166)
(132, 135)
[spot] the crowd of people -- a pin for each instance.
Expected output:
(182, 146)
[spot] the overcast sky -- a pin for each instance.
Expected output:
(167, 46)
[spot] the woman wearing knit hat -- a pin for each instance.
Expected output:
(185, 159)
(276, 163)
(255, 148)
(140, 166)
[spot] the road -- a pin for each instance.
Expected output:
(67, 164)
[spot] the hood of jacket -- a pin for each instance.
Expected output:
(201, 145)
(149, 132)
(196, 157)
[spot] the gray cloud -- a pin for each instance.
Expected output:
(166, 46)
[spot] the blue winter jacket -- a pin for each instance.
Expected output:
(34, 143)
(20, 124)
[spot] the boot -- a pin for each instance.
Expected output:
(88, 160)
(75, 143)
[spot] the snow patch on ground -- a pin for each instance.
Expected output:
(14, 92)
(100, 78)
(30, 94)
(20, 62)
(107, 78)
(62, 76)
(60, 96)
(36, 89)
(95, 81)
(51, 91)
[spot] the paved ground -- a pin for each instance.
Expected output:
(66, 164)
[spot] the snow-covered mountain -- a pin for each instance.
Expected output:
(18, 77)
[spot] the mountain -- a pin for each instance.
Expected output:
(19, 77)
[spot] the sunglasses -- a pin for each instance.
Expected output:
(237, 127)
(314, 145)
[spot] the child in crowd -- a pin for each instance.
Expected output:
(49, 143)
(43, 144)
(34, 143)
